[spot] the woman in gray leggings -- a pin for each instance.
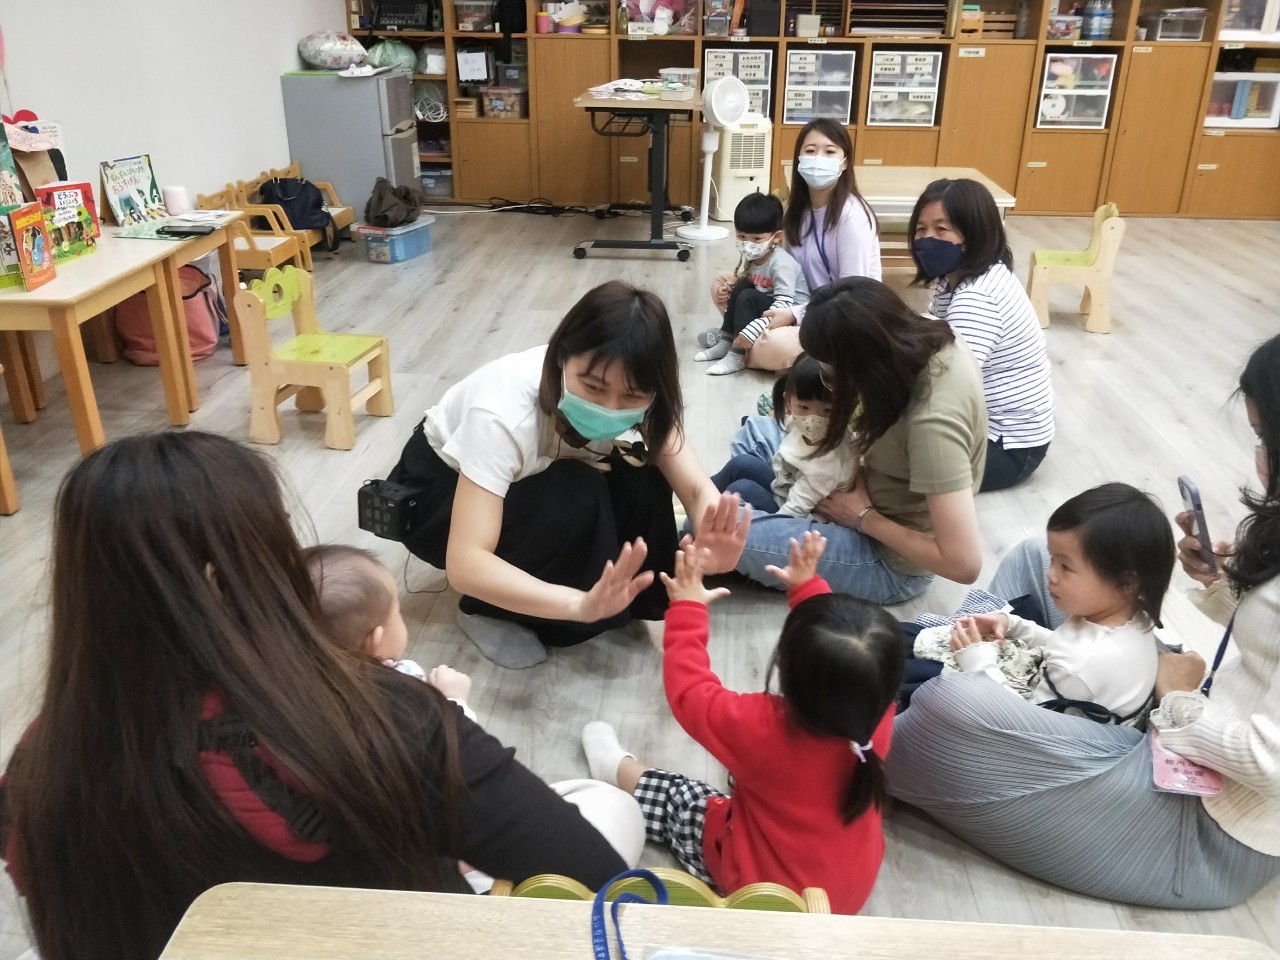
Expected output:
(1072, 801)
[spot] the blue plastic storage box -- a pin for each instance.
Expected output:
(393, 244)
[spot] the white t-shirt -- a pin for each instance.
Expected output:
(489, 428)
(1112, 666)
(997, 322)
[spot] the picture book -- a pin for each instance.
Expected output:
(71, 216)
(35, 252)
(10, 270)
(10, 185)
(130, 190)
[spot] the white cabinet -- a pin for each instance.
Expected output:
(819, 84)
(1076, 90)
(904, 88)
(753, 67)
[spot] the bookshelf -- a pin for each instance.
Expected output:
(1158, 137)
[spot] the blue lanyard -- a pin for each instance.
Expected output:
(1217, 657)
(819, 237)
(599, 929)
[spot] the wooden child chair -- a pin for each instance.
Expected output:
(1091, 267)
(315, 366)
(343, 215)
(683, 890)
(259, 249)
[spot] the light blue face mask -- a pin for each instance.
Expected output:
(595, 422)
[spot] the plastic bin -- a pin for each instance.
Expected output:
(394, 244)
(513, 75)
(474, 16)
(506, 103)
(437, 182)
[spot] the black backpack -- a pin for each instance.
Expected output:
(303, 205)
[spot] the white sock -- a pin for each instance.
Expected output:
(735, 361)
(507, 644)
(604, 753)
(713, 352)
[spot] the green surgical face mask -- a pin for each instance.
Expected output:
(596, 422)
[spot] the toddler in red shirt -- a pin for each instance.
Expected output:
(807, 763)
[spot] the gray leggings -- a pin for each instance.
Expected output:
(1064, 799)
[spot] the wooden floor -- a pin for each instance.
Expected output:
(1144, 404)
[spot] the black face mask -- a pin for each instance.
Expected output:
(937, 257)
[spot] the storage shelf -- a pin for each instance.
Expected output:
(1059, 46)
(435, 158)
(1216, 132)
(411, 34)
(492, 120)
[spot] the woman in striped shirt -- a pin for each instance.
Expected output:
(960, 245)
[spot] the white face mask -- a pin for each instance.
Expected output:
(1260, 464)
(751, 250)
(812, 427)
(819, 172)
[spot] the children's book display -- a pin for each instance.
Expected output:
(10, 185)
(35, 251)
(71, 217)
(130, 190)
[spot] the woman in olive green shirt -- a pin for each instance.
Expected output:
(910, 394)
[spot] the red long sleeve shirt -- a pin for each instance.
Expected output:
(783, 822)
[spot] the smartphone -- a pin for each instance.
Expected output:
(186, 229)
(1191, 500)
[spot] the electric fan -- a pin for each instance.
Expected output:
(724, 102)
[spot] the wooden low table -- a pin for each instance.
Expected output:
(264, 921)
(892, 191)
(89, 285)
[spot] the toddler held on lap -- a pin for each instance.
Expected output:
(1111, 557)
(361, 606)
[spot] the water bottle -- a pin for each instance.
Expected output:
(1092, 20)
(1107, 20)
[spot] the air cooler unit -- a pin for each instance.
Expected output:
(741, 165)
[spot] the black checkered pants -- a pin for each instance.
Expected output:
(675, 813)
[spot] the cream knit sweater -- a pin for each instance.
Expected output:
(1236, 731)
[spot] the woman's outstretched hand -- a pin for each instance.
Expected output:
(802, 565)
(687, 583)
(620, 583)
(722, 534)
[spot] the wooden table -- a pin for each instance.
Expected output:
(630, 118)
(87, 286)
(240, 920)
(893, 191)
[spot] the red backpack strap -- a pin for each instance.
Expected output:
(253, 787)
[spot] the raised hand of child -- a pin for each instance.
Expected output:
(454, 684)
(687, 583)
(975, 629)
(802, 564)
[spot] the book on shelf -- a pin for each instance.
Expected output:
(35, 252)
(71, 216)
(10, 270)
(10, 185)
(130, 190)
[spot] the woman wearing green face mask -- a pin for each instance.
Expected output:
(547, 477)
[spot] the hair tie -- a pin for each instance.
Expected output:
(860, 750)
